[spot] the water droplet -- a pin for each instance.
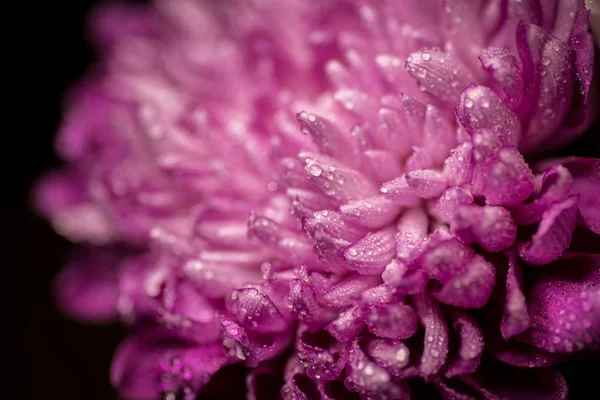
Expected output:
(546, 61)
(485, 103)
(426, 56)
(315, 170)
(421, 72)
(468, 103)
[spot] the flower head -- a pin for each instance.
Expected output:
(348, 179)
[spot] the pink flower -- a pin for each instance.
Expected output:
(397, 234)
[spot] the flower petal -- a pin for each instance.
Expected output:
(392, 321)
(564, 305)
(88, 288)
(515, 319)
(155, 362)
(482, 111)
(435, 349)
(471, 345)
(471, 289)
(372, 253)
(439, 74)
(490, 226)
(553, 235)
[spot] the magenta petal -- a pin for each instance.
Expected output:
(444, 257)
(426, 183)
(490, 226)
(586, 183)
(348, 325)
(515, 319)
(399, 192)
(372, 253)
(564, 306)
(393, 355)
(154, 362)
(471, 289)
(305, 307)
(336, 180)
(504, 68)
(556, 186)
(447, 206)
(550, 57)
(392, 321)
(88, 288)
(370, 379)
(501, 176)
(471, 345)
(435, 349)
(345, 293)
(255, 311)
(439, 74)
(374, 212)
(323, 356)
(553, 235)
(412, 230)
(326, 136)
(482, 111)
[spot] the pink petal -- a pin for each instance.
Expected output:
(471, 289)
(435, 348)
(471, 345)
(392, 321)
(490, 226)
(515, 319)
(482, 111)
(553, 235)
(443, 80)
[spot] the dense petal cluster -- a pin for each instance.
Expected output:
(351, 180)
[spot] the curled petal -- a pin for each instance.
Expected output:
(444, 257)
(326, 136)
(502, 177)
(255, 311)
(374, 212)
(393, 355)
(556, 186)
(372, 253)
(435, 349)
(392, 321)
(515, 319)
(564, 306)
(399, 192)
(345, 293)
(426, 183)
(368, 378)
(336, 180)
(553, 235)
(447, 206)
(504, 68)
(439, 74)
(348, 325)
(305, 307)
(322, 355)
(586, 183)
(155, 362)
(471, 289)
(471, 345)
(88, 288)
(285, 242)
(412, 230)
(490, 226)
(482, 111)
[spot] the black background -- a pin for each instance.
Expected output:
(57, 358)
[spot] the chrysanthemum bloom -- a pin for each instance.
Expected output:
(356, 183)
